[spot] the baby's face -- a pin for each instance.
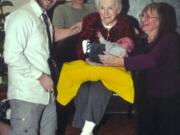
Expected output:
(126, 46)
(126, 43)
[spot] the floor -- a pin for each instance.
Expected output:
(116, 124)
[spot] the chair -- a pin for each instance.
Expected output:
(117, 106)
(4, 110)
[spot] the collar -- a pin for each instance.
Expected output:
(36, 8)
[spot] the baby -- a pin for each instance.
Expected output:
(121, 48)
(115, 79)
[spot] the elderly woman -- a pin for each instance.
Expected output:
(159, 107)
(93, 97)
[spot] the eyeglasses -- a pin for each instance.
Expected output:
(147, 17)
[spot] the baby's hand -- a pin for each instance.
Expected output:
(101, 38)
(99, 34)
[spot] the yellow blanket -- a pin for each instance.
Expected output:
(73, 74)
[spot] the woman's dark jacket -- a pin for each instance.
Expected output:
(161, 65)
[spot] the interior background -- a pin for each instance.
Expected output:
(135, 6)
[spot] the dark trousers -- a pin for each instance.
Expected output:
(62, 118)
(90, 103)
(158, 116)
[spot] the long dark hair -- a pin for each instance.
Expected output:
(167, 16)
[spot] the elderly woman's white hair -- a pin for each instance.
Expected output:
(118, 4)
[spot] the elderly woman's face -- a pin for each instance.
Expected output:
(108, 11)
(149, 21)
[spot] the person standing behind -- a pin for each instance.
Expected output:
(67, 18)
(159, 107)
(67, 26)
(26, 51)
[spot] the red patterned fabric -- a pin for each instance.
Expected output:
(92, 24)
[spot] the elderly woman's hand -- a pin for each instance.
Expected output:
(92, 63)
(110, 60)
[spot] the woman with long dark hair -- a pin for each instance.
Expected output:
(159, 107)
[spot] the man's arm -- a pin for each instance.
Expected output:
(17, 34)
(62, 33)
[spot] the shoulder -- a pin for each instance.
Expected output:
(22, 17)
(169, 37)
(90, 7)
(92, 16)
(123, 28)
(168, 41)
(123, 24)
(92, 20)
(59, 12)
(123, 20)
(61, 8)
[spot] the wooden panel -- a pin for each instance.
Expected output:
(3, 92)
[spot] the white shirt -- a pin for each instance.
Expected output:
(26, 52)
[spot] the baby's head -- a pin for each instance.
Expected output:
(126, 43)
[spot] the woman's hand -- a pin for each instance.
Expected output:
(110, 60)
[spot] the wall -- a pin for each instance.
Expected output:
(16, 4)
(135, 6)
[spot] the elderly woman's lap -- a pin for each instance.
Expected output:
(91, 103)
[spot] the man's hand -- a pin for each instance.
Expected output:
(76, 28)
(61, 33)
(46, 81)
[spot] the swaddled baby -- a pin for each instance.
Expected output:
(120, 48)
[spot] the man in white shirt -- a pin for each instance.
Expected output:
(30, 86)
